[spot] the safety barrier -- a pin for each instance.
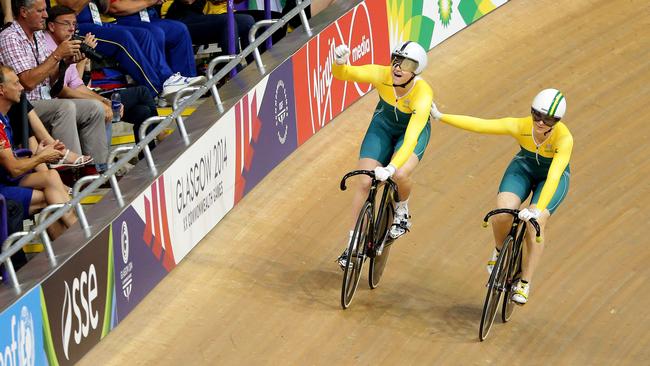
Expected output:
(163, 210)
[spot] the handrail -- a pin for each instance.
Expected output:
(180, 103)
(81, 215)
(45, 237)
(9, 249)
(210, 74)
(251, 39)
(111, 160)
(17, 240)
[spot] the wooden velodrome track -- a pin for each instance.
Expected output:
(263, 288)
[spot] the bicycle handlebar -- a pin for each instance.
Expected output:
(369, 173)
(514, 213)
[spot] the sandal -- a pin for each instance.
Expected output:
(79, 161)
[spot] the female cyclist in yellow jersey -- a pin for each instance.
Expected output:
(399, 131)
(540, 167)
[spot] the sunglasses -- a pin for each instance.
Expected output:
(550, 121)
(405, 64)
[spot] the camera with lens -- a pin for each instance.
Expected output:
(90, 52)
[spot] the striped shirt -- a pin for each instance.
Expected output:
(22, 54)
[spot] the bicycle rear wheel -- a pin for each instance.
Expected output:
(514, 268)
(356, 255)
(495, 286)
(382, 240)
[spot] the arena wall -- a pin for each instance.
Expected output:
(72, 308)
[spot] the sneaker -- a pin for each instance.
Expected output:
(492, 261)
(520, 292)
(401, 223)
(177, 82)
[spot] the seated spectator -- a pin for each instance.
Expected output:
(26, 124)
(135, 49)
(137, 103)
(170, 35)
(78, 123)
(207, 28)
(33, 189)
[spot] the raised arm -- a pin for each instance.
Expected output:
(374, 74)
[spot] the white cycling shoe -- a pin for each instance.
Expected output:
(520, 292)
(401, 223)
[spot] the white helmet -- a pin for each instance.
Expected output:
(551, 102)
(412, 51)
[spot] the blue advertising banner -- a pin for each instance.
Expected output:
(266, 126)
(138, 266)
(21, 332)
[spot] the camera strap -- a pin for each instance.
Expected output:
(58, 84)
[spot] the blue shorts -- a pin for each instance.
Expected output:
(21, 195)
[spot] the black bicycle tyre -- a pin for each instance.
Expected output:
(508, 305)
(494, 290)
(378, 263)
(356, 256)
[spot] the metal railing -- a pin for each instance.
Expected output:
(52, 213)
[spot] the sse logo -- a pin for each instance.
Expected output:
(78, 303)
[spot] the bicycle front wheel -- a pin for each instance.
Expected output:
(356, 255)
(514, 270)
(383, 241)
(495, 287)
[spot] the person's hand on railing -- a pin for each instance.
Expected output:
(341, 54)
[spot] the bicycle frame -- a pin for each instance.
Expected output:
(376, 221)
(505, 270)
(372, 195)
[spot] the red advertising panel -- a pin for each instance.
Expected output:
(319, 97)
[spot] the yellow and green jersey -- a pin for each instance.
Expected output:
(416, 103)
(552, 155)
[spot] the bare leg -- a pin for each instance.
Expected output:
(53, 188)
(403, 177)
(501, 223)
(37, 203)
(533, 250)
(361, 188)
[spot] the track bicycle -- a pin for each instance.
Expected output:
(506, 271)
(371, 237)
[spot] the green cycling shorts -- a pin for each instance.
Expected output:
(527, 173)
(385, 134)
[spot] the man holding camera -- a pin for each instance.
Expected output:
(137, 104)
(78, 123)
(60, 28)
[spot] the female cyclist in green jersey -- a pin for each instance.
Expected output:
(399, 130)
(540, 167)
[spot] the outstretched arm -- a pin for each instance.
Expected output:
(502, 126)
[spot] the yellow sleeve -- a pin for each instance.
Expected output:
(502, 126)
(418, 121)
(374, 74)
(560, 162)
